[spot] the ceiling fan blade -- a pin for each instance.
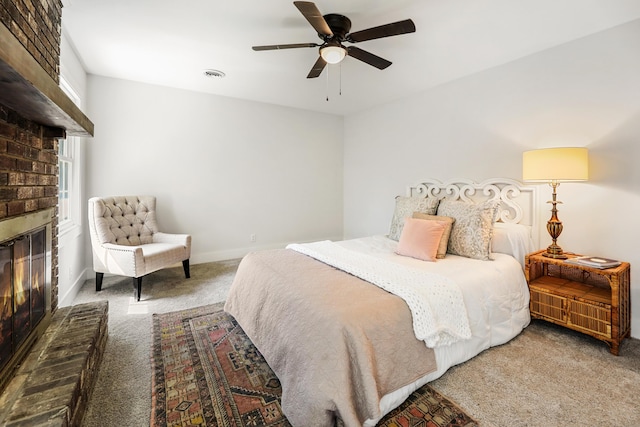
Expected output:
(284, 46)
(315, 18)
(393, 29)
(368, 57)
(317, 68)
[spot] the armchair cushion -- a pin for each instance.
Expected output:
(160, 255)
(179, 239)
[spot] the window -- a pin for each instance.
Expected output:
(65, 179)
(68, 188)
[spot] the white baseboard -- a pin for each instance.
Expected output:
(201, 258)
(67, 299)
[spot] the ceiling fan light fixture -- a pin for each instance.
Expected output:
(333, 54)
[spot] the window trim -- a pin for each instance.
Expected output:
(74, 223)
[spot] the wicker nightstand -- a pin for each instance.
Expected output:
(593, 301)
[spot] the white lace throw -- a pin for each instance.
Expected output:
(436, 303)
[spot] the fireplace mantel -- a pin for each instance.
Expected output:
(26, 88)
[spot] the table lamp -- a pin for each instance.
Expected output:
(555, 165)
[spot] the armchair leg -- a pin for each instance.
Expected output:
(137, 287)
(99, 277)
(185, 266)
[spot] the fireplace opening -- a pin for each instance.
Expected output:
(25, 301)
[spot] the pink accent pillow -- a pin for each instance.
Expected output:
(420, 239)
(448, 224)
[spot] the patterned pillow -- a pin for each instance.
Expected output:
(444, 241)
(405, 207)
(471, 233)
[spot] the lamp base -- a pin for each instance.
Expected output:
(554, 251)
(554, 227)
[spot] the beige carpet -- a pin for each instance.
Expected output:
(547, 376)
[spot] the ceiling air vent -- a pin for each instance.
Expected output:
(214, 73)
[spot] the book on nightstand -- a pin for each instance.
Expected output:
(595, 262)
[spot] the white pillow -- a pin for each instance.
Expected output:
(512, 239)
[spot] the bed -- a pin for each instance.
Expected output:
(352, 328)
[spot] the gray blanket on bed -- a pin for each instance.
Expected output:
(337, 343)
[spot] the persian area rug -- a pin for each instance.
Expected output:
(206, 372)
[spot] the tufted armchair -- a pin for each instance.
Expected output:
(126, 241)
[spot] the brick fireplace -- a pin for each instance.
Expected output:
(50, 366)
(28, 186)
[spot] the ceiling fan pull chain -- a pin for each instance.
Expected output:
(327, 87)
(340, 90)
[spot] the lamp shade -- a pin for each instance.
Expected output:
(333, 54)
(556, 164)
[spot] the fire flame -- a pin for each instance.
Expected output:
(5, 305)
(18, 284)
(21, 258)
(5, 287)
(35, 283)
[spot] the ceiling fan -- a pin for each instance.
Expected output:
(333, 30)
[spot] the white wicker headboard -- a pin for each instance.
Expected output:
(518, 203)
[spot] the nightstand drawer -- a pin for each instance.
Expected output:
(589, 317)
(547, 305)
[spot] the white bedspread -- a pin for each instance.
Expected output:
(437, 306)
(495, 294)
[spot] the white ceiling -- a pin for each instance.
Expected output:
(171, 43)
